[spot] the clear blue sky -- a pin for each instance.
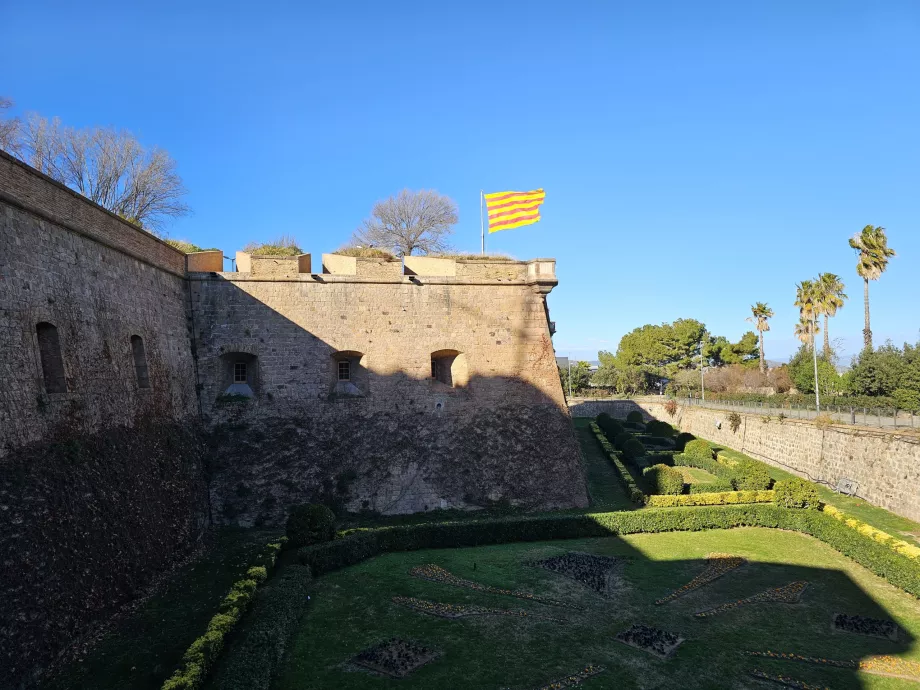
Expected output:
(697, 157)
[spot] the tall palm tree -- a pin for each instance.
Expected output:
(760, 313)
(805, 300)
(873, 252)
(829, 297)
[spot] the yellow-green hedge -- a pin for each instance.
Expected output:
(721, 498)
(203, 652)
(897, 545)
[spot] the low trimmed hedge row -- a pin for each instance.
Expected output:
(360, 545)
(718, 486)
(743, 476)
(899, 546)
(635, 493)
(722, 498)
(203, 652)
(254, 659)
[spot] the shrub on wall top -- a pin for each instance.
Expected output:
(796, 493)
(635, 417)
(698, 449)
(310, 524)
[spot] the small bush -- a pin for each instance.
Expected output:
(751, 476)
(734, 421)
(659, 428)
(183, 246)
(310, 524)
(683, 438)
(698, 449)
(611, 427)
(619, 441)
(633, 449)
(796, 493)
(365, 252)
(635, 417)
(664, 480)
(283, 246)
(671, 407)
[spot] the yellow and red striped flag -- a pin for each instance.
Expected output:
(513, 209)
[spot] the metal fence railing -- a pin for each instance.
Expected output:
(863, 416)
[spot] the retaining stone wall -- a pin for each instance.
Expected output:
(886, 464)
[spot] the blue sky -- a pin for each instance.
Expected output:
(697, 157)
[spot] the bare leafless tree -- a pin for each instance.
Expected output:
(110, 167)
(410, 222)
(9, 129)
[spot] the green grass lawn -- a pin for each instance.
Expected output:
(605, 489)
(146, 647)
(352, 609)
(694, 475)
(858, 508)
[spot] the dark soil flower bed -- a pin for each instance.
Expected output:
(436, 573)
(863, 625)
(787, 594)
(443, 610)
(600, 573)
(658, 642)
(395, 657)
(786, 681)
(573, 679)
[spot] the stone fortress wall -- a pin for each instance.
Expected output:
(393, 438)
(886, 464)
(146, 393)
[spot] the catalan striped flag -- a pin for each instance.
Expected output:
(513, 209)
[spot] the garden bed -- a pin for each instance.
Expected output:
(395, 657)
(598, 573)
(661, 643)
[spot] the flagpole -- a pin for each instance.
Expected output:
(482, 227)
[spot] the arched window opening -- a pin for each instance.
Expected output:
(49, 349)
(140, 361)
(240, 374)
(448, 367)
(349, 375)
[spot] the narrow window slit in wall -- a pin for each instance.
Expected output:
(140, 361)
(49, 348)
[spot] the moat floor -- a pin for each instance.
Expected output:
(353, 610)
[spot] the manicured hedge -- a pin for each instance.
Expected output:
(635, 417)
(620, 440)
(254, 658)
(797, 493)
(632, 489)
(363, 544)
(658, 428)
(203, 652)
(662, 479)
(611, 427)
(698, 449)
(722, 498)
(711, 466)
(633, 449)
(683, 438)
(899, 546)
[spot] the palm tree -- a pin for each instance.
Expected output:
(872, 249)
(805, 331)
(829, 297)
(760, 313)
(805, 300)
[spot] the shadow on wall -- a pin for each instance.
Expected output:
(354, 413)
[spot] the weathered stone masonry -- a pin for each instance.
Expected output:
(395, 439)
(372, 385)
(886, 464)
